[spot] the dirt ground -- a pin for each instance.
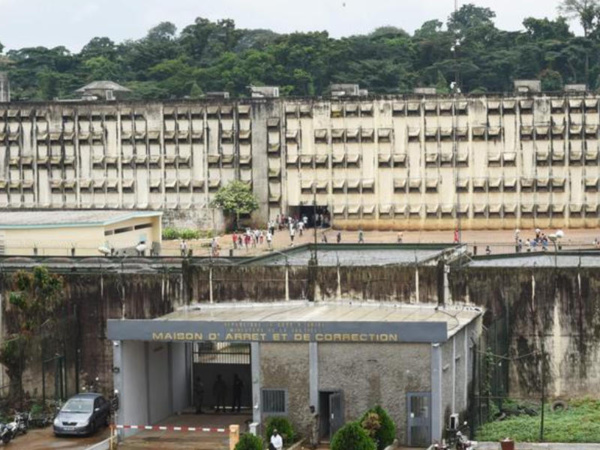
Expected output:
(499, 241)
(44, 439)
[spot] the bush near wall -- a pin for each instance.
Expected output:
(249, 442)
(283, 427)
(170, 234)
(379, 426)
(352, 437)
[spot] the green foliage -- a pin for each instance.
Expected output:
(283, 426)
(379, 425)
(579, 424)
(169, 234)
(352, 437)
(35, 302)
(249, 442)
(236, 198)
(216, 56)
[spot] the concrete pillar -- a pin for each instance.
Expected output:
(436, 393)
(256, 385)
(4, 88)
(118, 382)
(454, 374)
(313, 374)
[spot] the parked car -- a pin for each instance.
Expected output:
(82, 414)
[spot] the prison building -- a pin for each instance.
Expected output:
(412, 162)
(416, 361)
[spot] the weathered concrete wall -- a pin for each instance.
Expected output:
(403, 162)
(375, 374)
(268, 283)
(540, 315)
(286, 366)
(94, 298)
(561, 309)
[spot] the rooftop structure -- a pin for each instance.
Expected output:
(425, 91)
(4, 88)
(264, 91)
(103, 90)
(528, 86)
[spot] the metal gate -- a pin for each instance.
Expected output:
(419, 419)
(336, 413)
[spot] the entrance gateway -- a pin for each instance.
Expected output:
(339, 357)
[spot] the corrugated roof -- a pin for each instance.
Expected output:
(70, 219)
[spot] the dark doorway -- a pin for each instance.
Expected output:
(331, 413)
(231, 363)
(322, 219)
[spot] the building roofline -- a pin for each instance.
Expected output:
(83, 224)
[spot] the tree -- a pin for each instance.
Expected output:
(352, 437)
(33, 305)
(236, 198)
(380, 426)
(468, 17)
(552, 81)
(585, 11)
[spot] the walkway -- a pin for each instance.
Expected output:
(528, 446)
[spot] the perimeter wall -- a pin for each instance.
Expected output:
(543, 316)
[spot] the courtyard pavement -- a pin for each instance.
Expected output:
(545, 446)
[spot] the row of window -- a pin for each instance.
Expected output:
(464, 210)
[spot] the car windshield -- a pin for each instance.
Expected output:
(78, 405)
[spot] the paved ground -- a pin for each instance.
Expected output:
(44, 439)
(163, 440)
(500, 241)
(525, 446)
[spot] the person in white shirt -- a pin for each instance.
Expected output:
(276, 440)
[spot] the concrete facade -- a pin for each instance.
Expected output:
(527, 160)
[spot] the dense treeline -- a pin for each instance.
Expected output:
(207, 56)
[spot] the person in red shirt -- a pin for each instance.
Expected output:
(234, 238)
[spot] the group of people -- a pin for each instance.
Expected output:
(219, 392)
(540, 241)
(252, 238)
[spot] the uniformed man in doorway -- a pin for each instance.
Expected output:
(219, 393)
(314, 425)
(238, 385)
(198, 394)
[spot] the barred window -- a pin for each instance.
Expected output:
(274, 401)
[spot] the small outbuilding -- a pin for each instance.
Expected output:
(79, 233)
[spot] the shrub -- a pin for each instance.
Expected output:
(169, 234)
(189, 234)
(381, 428)
(352, 437)
(283, 426)
(249, 442)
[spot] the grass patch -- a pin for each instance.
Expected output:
(579, 424)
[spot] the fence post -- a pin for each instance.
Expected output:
(234, 436)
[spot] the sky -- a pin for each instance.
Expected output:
(73, 23)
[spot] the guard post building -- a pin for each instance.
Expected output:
(343, 358)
